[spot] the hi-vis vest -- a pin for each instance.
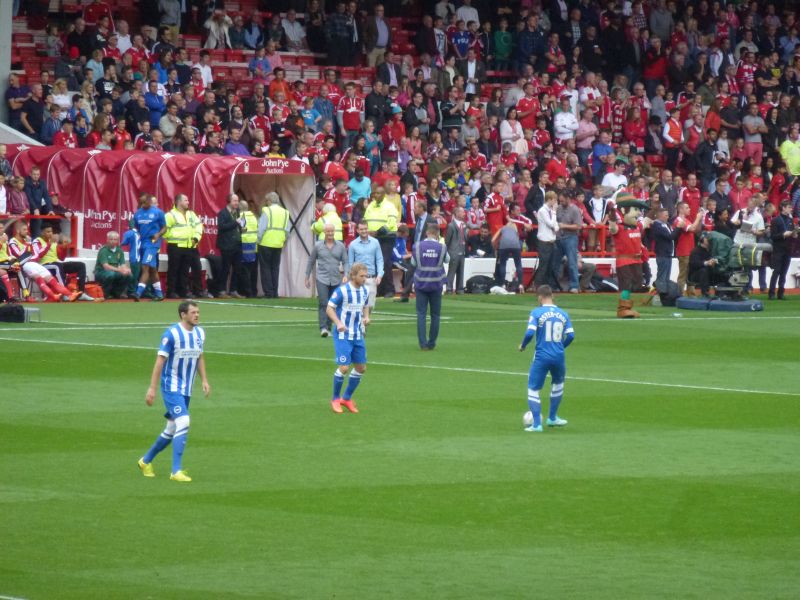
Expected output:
(328, 218)
(183, 230)
(275, 234)
(429, 275)
(250, 234)
(249, 237)
(51, 255)
(4, 257)
(382, 214)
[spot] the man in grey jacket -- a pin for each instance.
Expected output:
(456, 241)
(330, 257)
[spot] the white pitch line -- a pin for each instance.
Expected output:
(250, 304)
(430, 367)
(641, 320)
(285, 323)
(162, 323)
(11, 598)
(161, 326)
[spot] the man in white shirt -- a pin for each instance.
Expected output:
(616, 179)
(3, 195)
(546, 239)
(467, 13)
(205, 68)
(123, 36)
(565, 123)
(295, 32)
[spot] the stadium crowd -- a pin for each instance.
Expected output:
(510, 115)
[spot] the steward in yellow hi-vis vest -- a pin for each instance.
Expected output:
(183, 234)
(381, 219)
(249, 285)
(329, 215)
(273, 228)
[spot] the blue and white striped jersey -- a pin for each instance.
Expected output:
(349, 303)
(182, 349)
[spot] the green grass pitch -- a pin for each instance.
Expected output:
(677, 477)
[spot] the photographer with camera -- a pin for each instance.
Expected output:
(781, 229)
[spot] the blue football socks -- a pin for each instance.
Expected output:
(178, 445)
(162, 441)
(338, 383)
(535, 405)
(352, 384)
(556, 394)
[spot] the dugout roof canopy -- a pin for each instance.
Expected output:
(104, 186)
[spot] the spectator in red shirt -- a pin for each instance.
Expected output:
(685, 243)
(494, 208)
(350, 114)
(66, 138)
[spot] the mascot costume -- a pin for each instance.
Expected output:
(628, 248)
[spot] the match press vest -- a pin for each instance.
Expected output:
(275, 234)
(429, 275)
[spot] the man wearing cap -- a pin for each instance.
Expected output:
(628, 247)
(66, 138)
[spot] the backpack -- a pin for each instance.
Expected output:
(12, 313)
(670, 296)
(479, 284)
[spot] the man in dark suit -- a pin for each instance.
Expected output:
(474, 72)
(535, 198)
(421, 221)
(455, 240)
(229, 242)
(667, 192)
(388, 72)
(378, 107)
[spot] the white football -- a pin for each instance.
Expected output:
(527, 419)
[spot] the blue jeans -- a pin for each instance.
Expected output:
(663, 267)
(568, 246)
(434, 299)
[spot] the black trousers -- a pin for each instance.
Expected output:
(387, 281)
(544, 270)
(62, 269)
(231, 266)
(672, 155)
(780, 262)
(269, 264)
(248, 282)
(180, 261)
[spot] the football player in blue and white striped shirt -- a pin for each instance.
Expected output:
(348, 310)
(180, 358)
